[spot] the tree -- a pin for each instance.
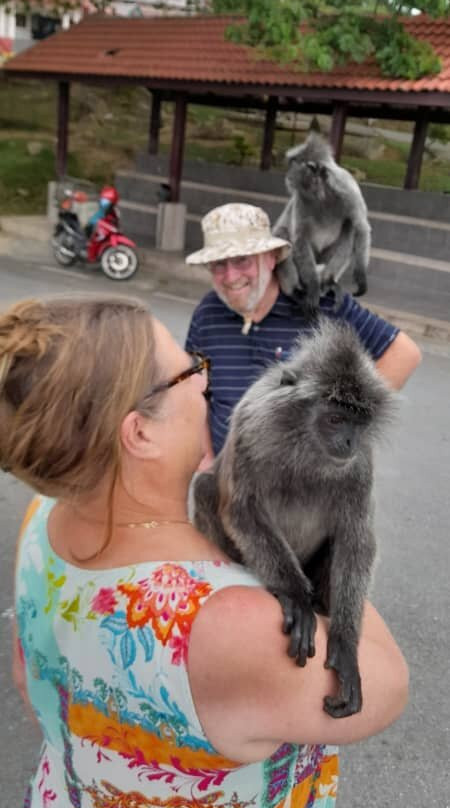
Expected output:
(317, 35)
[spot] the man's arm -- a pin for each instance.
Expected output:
(394, 353)
(399, 360)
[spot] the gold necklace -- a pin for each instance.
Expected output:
(153, 523)
(150, 525)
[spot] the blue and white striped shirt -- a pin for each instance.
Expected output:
(238, 359)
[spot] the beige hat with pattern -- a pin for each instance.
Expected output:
(237, 229)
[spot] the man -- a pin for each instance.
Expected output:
(246, 322)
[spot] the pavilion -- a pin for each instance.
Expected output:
(187, 60)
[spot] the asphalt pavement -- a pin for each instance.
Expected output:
(406, 766)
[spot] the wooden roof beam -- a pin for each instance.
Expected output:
(398, 99)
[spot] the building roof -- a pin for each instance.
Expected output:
(188, 51)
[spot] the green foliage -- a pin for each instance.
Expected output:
(317, 35)
(440, 132)
(242, 150)
(400, 54)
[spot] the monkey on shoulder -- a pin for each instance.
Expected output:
(327, 223)
(290, 494)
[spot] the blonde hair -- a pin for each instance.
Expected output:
(70, 371)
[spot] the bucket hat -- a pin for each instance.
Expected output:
(236, 229)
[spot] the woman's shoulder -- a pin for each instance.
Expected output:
(241, 616)
(36, 514)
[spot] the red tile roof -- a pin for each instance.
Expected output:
(193, 49)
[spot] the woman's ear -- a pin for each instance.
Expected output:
(138, 437)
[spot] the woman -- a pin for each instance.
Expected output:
(156, 668)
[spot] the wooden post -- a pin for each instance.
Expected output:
(177, 147)
(155, 123)
(63, 128)
(337, 131)
(269, 134)
(412, 175)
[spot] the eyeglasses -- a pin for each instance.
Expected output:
(240, 262)
(200, 363)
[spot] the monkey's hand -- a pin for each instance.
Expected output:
(299, 621)
(330, 285)
(341, 656)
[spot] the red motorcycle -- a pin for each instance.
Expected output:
(99, 242)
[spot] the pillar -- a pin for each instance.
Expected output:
(63, 128)
(155, 123)
(337, 131)
(269, 134)
(416, 152)
(177, 147)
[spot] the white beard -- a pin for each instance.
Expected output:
(256, 294)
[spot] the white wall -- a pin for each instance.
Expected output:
(20, 34)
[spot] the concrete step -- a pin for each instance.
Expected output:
(429, 205)
(385, 199)
(410, 284)
(226, 176)
(416, 235)
(199, 197)
(139, 220)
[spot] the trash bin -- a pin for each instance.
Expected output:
(163, 193)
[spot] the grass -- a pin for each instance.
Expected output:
(24, 177)
(109, 127)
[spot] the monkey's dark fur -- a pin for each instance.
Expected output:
(326, 221)
(290, 494)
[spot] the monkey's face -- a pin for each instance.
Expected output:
(309, 178)
(336, 429)
(340, 430)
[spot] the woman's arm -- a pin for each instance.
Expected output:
(251, 697)
(18, 662)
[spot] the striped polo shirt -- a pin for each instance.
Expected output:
(238, 359)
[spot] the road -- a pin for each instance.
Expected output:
(407, 765)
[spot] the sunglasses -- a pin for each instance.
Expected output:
(200, 363)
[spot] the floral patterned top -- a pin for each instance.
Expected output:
(105, 655)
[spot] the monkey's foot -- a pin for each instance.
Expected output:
(360, 278)
(360, 290)
(342, 658)
(299, 621)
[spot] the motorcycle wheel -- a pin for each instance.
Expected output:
(63, 250)
(119, 263)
